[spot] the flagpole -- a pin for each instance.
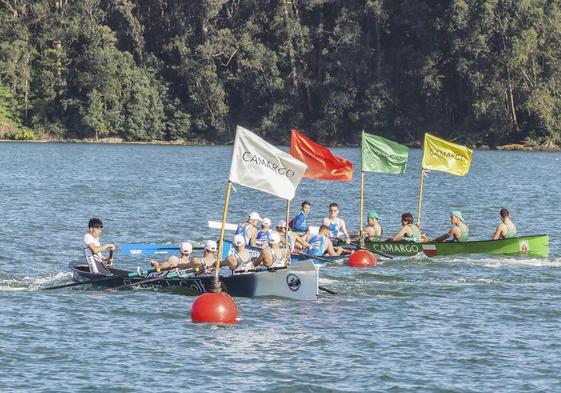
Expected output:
(286, 222)
(216, 286)
(420, 196)
(361, 204)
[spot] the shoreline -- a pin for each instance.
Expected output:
(198, 142)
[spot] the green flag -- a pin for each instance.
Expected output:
(382, 155)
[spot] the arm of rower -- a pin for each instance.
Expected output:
(301, 241)
(98, 250)
(445, 236)
(399, 235)
(498, 231)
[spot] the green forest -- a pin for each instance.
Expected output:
(483, 72)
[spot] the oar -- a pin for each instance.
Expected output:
(327, 290)
(75, 284)
(149, 280)
(150, 249)
(321, 258)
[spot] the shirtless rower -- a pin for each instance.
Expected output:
(321, 243)
(240, 259)
(275, 255)
(459, 231)
(248, 228)
(409, 232)
(506, 228)
(336, 224)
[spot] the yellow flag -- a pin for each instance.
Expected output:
(445, 156)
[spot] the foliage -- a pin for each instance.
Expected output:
(481, 71)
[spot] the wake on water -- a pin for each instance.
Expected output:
(26, 283)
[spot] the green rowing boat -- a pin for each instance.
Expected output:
(536, 246)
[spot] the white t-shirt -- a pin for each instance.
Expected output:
(92, 258)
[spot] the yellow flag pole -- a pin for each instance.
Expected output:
(361, 204)
(221, 239)
(420, 197)
(286, 222)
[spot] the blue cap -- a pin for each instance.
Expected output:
(373, 214)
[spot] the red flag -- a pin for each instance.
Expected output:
(322, 164)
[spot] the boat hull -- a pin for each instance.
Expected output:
(535, 246)
(296, 282)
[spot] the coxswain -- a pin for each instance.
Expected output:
(299, 224)
(459, 231)
(506, 228)
(183, 259)
(409, 232)
(295, 242)
(240, 259)
(207, 262)
(263, 235)
(248, 228)
(336, 224)
(276, 255)
(93, 248)
(321, 244)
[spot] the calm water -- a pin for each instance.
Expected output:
(418, 325)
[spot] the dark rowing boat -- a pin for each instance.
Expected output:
(295, 282)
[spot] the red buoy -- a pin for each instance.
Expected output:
(214, 308)
(362, 258)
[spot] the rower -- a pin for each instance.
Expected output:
(373, 232)
(248, 228)
(294, 241)
(459, 231)
(409, 232)
(184, 258)
(263, 235)
(299, 224)
(336, 224)
(207, 262)
(93, 248)
(321, 244)
(240, 259)
(275, 255)
(506, 228)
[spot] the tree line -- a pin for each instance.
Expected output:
(477, 71)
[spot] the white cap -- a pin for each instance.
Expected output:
(275, 238)
(266, 221)
(281, 224)
(186, 247)
(239, 240)
(211, 245)
(255, 216)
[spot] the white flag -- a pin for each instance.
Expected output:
(260, 165)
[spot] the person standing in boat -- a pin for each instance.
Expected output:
(299, 224)
(183, 259)
(240, 259)
(459, 231)
(409, 232)
(506, 228)
(321, 244)
(208, 261)
(294, 241)
(248, 228)
(93, 248)
(276, 255)
(336, 224)
(263, 235)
